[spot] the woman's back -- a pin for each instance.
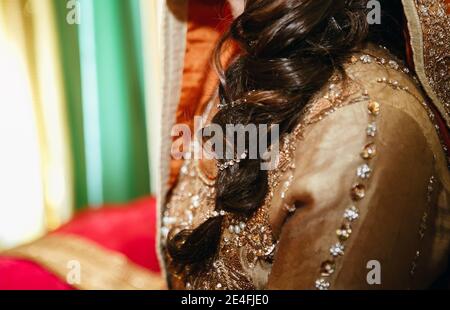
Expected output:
(361, 180)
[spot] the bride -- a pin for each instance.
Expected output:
(359, 198)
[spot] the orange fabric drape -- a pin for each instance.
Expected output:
(207, 21)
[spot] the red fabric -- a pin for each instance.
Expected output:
(127, 229)
(18, 274)
(130, 230)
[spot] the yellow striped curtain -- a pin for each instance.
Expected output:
(151, 33)
(36, 186)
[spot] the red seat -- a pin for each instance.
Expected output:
(128, 229)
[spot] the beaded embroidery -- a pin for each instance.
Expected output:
(435, 22)
(357, 193)
(364, 171)
(396, 65)
(246, 244)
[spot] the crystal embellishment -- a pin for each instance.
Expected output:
(372, 130)
(394, 65)
(357, 193)
(337, 249)
(351, 214)
(366, 59)
(322, 285)
(364, 171)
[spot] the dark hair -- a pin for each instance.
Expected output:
(290, 50)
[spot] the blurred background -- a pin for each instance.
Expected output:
(78, 79)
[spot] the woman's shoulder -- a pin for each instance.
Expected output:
(387, 80)
(367, 155)
(377, 85)
(390, 83)
(378, 109)
(373, 74)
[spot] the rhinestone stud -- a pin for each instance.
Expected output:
(351, 214)
(364, 171)
(322, 285)
(366, 59)
(337, 249)
(372, 130)
(394, 65)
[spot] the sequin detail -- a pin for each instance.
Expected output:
(435, 22)
(357, 193)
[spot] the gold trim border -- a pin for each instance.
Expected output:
(416, 34)
(100, 268)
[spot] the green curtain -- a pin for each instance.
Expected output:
(70, 58)
(104, 83)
